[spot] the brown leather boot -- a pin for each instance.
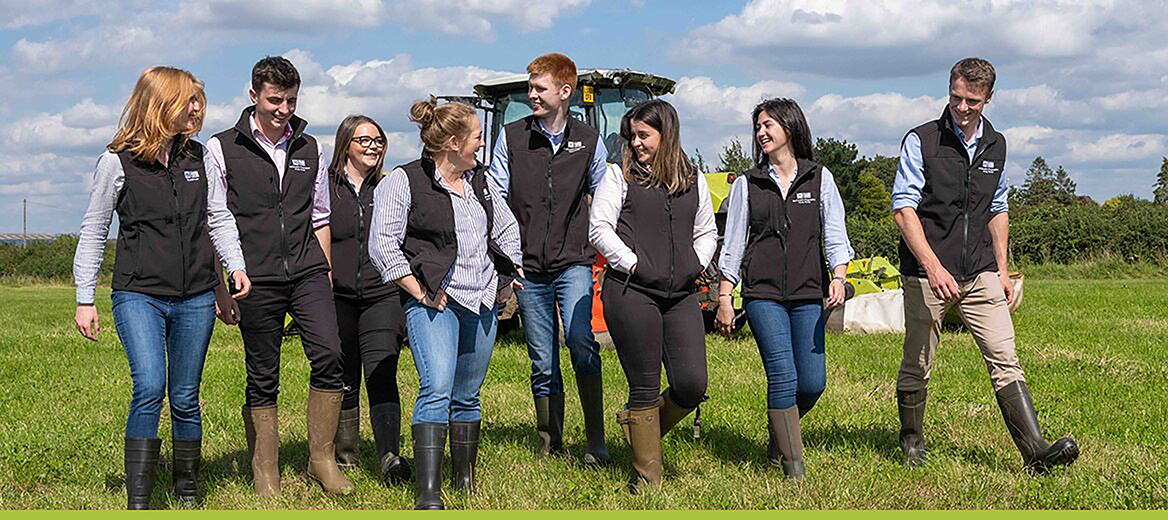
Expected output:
(643, 431)
(324, 410)
(671, 413)
(348, 437)
(591, 389)
(786, 441)
(263, 446)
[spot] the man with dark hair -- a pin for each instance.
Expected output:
(949, 201)
(544, 165)
(276, 181)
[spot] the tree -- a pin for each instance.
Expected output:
(875, 201)
(699, 162)
(1160, 193)
(883, 168)
(1044, 186)
(839, 156)
(733, 158)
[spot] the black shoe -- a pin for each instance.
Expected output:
(141, 464)
(429, 443)
(911, 408)
(1022, 421)
(464, 449)
(187, 456)
(385, 419)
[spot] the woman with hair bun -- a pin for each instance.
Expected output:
(153, 176)
(437, 232)
(652, 219)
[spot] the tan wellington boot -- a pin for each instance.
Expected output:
(263, 445)
(643, 431)
(324, 409)
(786, 441)
(671, 413)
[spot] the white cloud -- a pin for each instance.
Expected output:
(730, 105)
(49, 132)
(883, 116)
(1027, 140)
(1115, 148)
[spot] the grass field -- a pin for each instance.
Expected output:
(1095, 354)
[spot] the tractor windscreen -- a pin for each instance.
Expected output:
(612, 105)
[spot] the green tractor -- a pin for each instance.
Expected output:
(601, 99)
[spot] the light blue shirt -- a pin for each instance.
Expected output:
(831, 208)
(499, 173)
(910, 173)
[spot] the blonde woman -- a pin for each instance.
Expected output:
(152, 175)
(654, 223)
(438, 233)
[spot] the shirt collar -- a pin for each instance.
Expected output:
(976, 134)
(259, 135)
(548, 133)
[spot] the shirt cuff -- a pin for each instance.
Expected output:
(732, 278)
(396, 273)
(85, 295)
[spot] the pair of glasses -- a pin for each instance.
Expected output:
(366, 141)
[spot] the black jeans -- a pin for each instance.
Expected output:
(371, 337)
(648, 330)
(310, 301)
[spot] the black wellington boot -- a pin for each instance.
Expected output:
(464, 451)
(429, 443)
(187, 455)
(141, 463)
(386, 421)
(911, 408)
(1022, 421)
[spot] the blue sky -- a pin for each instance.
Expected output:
(1083, 83)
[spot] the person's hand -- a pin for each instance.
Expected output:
(226, 307)
(1007, 286)
(516, 284)
(942, 284)
(835, 293)
(86, 321)
(438, 302)
(242, 284)
(724, 318)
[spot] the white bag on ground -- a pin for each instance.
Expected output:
(870, 313)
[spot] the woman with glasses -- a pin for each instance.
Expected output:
(369, 311)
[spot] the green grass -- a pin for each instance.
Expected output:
(1095, 354)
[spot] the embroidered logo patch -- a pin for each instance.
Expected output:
(804, 198)
(988, 167)
(299, 165)
(191, 175)
(575, 146)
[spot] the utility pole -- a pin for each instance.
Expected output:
(24, 234)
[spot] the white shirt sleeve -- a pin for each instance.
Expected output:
(606, 209)
(705, 230)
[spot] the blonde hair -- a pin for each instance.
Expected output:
(160, 98)
(670, 168)
(438, 123)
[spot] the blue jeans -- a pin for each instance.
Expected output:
(451, 350)
(790, 339)
(165, 339)
(571, 290)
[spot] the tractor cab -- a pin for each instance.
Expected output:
(601, 98)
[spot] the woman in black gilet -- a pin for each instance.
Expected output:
(782, 216)
(169, 216)
(652, 220)
(369, 311)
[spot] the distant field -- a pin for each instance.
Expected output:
(1095, 353)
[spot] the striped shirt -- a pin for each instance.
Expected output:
(473, 281)
(108, 179)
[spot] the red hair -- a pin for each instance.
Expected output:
(561, 68)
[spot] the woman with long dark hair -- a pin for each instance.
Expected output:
(652, 219)
(439, 234)
(152, 175)
(783, 214)
(369, 311)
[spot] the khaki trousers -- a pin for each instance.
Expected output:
(981, 305)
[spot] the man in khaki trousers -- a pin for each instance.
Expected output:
(949, 201)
